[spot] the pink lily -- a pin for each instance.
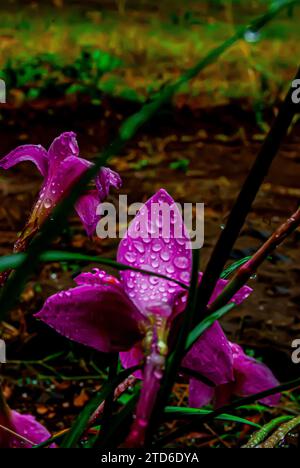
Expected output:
(250, 377)
(61, 167)
(135, 315)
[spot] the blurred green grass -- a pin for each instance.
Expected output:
(153, 47)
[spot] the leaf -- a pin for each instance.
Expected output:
(207, 323)
(235, 266)
(262, 434)
(194, 413)
(14, 261)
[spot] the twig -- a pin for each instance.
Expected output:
(248, 269)
(118, 392)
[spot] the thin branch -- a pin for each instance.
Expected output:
(248, 269)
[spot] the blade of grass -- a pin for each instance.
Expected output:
(15, 260)
(279, 435)
(206, 324)
(189, 427)
(263, 433)
(173, 412)
(233, 267)
(79, 427)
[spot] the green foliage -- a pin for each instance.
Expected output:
(46, 75)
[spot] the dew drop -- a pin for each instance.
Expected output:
(170, 269)
(252, 36)
(181, 241)
(155, 263)
(181, 262)
(154, 280)
(165, 256)
(139, 247)
(47, 203)
(157, 247)
(185, 277)
(130, 257)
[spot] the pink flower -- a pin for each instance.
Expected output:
(134, 315)
(61, 167)
(249, 377)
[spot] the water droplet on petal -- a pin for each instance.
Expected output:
(181, 262)
(155, 263)
(185, 277)
(139, 247)
(154, 280)
(181, 241)
(130, 257)
(157, 247)
(165, 256)
(170, 269)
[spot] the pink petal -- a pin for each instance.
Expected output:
(252, 377)
(160, 243)
(211, 356)
(96, 277)
(105, 180)
(240, 296)
(27, 427)
(62, 147)
(86, 208)
(66, 174)
(199, 394)
(88, 204)
(34, 153)
(99, 316)
(133, 358)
